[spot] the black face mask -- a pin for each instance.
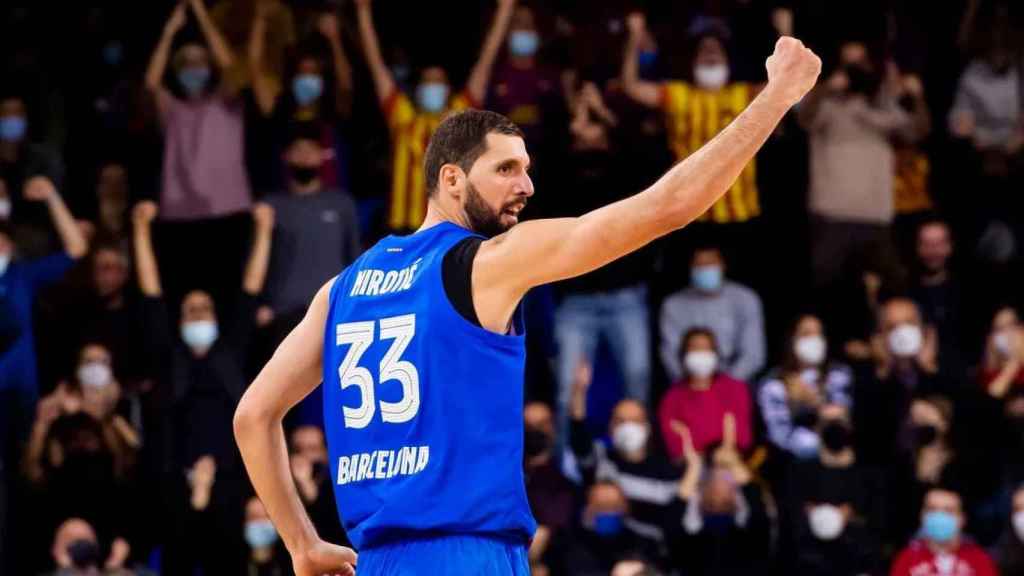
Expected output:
(925, 435)
(862, 81)
(835, 436)
(84, 554)
(536, 442)
(805, 416)
(303, 174)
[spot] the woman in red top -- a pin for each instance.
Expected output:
(1003, 364)
(702, 397)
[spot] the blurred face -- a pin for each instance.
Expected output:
(853, 53)
(193, 56)
(497, 187)
(254, 510)
(13, 120)
(898, 312)
(304, 153)
(109, 272)
(72, 530)
(944, 501)
(708, 257)
(537, 415)
(94, 353)
(934, 246)
(308, 441)
(710, 52)
(809, 326)
(605, 499)
(1005, 319)
(628, 411)
(197, 306)
(700, 342)
(628, 568)
(719, 494)
(522, 19)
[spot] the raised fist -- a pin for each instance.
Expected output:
(327, 25)
(144, 212)
(636, 23)
(39, 189)
(792, 70)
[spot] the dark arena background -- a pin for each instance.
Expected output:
(823, 375)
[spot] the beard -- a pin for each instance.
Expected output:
(482, 218)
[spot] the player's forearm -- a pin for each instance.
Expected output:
(260, 438)
(693, 185)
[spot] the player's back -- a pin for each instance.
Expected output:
(423, 408)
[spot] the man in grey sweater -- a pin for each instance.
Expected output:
(730, 310)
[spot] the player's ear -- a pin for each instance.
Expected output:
(451, 179)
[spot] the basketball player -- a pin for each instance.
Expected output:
(420, 347)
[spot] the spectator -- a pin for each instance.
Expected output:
(941, 547)
(77, 447)
(731, 311)
(792, 394)
(411, 124)
(201, 380)
(647, 480)
(905, 366)
(313, 479)
(1001, 370)
(317, 230)
(237, 18)
(938, 292)
(112, 199)
(928, 458)
(851, 121)
(108, 312)
(203, 166)
(832, 508)
(266, 556)
(609, 303)
(1010, 551)
(604, 537)
(21, 281)
(312, 97)
(704, 398)
(721, 526)
(550, 494)
(76, 552)
(684, 102)
(911, 190)
(28, 170)
(524, 89)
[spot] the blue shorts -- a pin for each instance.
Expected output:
(455, 555)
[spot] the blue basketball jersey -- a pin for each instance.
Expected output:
(423, 409)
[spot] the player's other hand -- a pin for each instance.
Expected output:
(325, 559)
(792, 70)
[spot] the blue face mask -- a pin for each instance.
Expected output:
(523, 42)
(194, 80)
(199, 334)
(12, 128)
(260, 533)
(432, 96)
(307, 88)
(706, 278)
(647, 59)
(608, 523)
(940, 527)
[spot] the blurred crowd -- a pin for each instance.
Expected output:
(823, 374)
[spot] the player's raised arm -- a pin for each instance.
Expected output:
(292, 373)
(542, 251)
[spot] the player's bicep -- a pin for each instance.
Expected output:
(295, 368)
(542, 251)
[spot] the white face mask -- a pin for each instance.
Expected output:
(5, 261)
(5, 208)
(905, 340)
(94, 374)
(711, 76)
(1003, 342)
(629, 437)
(700, 363)
(826, 522)
(810, 349)
(199, 334)
(1018, 525)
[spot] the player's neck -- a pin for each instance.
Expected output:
(437, 214)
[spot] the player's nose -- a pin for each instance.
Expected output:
(524, 186)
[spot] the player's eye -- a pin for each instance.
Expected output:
(505, 169)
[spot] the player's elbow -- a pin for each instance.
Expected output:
(250, 414)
